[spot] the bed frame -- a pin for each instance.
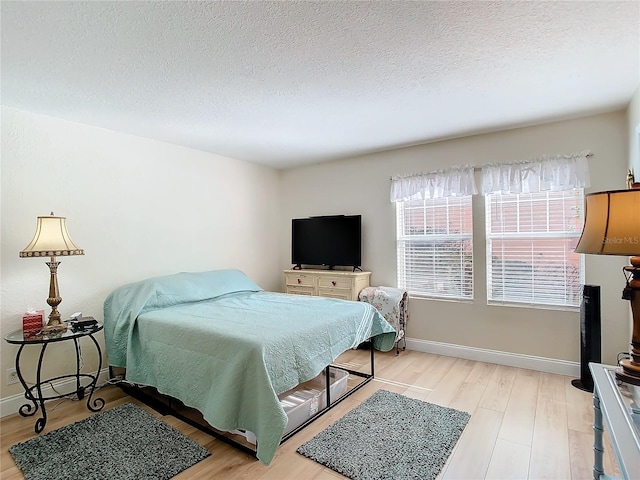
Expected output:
(166, 405)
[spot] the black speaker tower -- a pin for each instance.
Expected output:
(590, 350)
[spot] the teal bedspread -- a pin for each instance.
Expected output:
(219, 343)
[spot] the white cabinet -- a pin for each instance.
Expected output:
(616, 406)
(326, 283)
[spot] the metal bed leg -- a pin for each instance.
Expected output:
(327, 384)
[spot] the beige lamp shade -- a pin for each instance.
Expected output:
(51, 239)
(612, 223)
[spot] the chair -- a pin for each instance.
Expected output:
(393, 304)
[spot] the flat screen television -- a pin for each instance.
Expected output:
(329, 240)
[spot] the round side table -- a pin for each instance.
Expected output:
(34, 393)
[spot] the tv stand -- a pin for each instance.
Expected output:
(326, 283)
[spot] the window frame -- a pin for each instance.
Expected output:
(402, 240)
(568, 234)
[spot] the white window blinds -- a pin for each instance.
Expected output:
(534, 215)
(434, 240)
(530, 243)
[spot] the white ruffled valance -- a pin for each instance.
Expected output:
(545, 173)
(454, 181)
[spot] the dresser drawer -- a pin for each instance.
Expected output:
(300, 290)
(335, 282)
(341, 293)
(301, 280)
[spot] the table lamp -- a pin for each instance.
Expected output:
(52, 240)
(612, 227)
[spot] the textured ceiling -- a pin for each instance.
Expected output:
(289, 83)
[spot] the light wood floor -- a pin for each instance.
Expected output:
(524, 424)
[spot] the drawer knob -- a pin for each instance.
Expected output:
(299, 281)
(333, 282)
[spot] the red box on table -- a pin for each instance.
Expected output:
(32, 322)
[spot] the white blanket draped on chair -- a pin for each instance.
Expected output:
(393, 304)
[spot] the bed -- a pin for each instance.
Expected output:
(220, 344)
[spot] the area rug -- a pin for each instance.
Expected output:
(124, 443)
(389, 436)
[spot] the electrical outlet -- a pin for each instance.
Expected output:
(12, 376)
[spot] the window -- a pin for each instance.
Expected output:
(435, 238)
(530, 243)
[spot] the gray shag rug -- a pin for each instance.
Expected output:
(389, 436)
(123, 443)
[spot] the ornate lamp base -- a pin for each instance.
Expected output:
(630, 368)
(623, 376)
(54, 325)
(54, 328)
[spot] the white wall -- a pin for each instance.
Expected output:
(361, 186)
(141, 208)
(633, 121)
(138, 208)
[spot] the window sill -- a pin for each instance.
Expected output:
(535, 306)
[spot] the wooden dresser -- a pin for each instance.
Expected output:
(326, 283)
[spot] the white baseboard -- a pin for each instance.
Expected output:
(542, 364)
(11, 404)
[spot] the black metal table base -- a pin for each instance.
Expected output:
(35, 395)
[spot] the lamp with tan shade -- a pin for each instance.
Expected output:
(612, 227)
(52, 240)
